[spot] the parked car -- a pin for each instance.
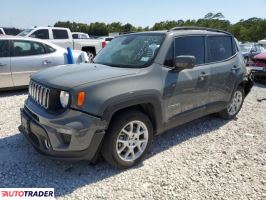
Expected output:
(79, 35)
(63, 37)
(249, 50)
(258, 66)
(20, 57)
(263, 43)
(139, 86)
(9, 31)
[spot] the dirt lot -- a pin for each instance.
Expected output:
(209, 158)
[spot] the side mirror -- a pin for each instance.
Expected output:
(185, 62)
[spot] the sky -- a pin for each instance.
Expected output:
(29, 13)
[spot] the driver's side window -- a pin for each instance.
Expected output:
(41, 34)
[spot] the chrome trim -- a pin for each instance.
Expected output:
(39, 94)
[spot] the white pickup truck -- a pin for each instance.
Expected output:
(63, 37)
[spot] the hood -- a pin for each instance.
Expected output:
(261, 56)
(69, 76)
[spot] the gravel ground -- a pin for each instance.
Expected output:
(206, 159)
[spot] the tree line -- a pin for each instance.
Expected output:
(251, 30)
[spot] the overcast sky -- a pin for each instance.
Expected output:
(28, 13)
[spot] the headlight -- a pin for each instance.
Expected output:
(64, 98)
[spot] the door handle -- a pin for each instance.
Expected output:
(2, 65)
(203, 75)
(235, 68)
(46, 62)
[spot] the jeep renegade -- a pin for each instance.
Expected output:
(138, 86)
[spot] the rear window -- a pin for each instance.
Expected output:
(190, 46)
(49, 49)
(60, 34)
(219, 48)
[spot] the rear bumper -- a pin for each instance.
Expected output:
(71, 136)
(258, 72)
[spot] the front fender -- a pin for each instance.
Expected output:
(111, 106)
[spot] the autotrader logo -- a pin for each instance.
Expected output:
(27, 193)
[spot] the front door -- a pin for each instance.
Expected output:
(5, 71)
(187, 90)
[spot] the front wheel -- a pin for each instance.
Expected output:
(234, 105)
(128, 139)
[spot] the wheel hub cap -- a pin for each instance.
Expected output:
(132, 141)
(235, 104)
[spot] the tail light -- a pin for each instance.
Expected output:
(103, 44)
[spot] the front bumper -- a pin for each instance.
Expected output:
(72, 135)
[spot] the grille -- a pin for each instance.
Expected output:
(39, 94)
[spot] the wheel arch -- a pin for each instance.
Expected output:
(149, 105)
(246, 83)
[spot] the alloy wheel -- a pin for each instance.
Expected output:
(235, 104)
(132, 141)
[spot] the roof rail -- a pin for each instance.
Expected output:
(198, 28)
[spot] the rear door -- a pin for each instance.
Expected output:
(224, 65)
(28, 57)
(5, 71)
(61, 37)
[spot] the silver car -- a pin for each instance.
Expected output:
(20, 57)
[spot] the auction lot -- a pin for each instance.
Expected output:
(207, 158)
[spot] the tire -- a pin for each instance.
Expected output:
(119, 153)
(90, 54)
(235, 104)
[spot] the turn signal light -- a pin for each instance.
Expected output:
(81, 99)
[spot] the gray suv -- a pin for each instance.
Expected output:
(138, 86)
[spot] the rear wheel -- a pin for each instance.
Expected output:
(234, 105)
(128, 139)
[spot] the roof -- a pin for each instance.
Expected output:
(11, 37)
(185, 30)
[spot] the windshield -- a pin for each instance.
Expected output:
(136, 50)
(245, 47)
(25, 32)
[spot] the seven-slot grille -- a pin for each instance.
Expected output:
(39, 94)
